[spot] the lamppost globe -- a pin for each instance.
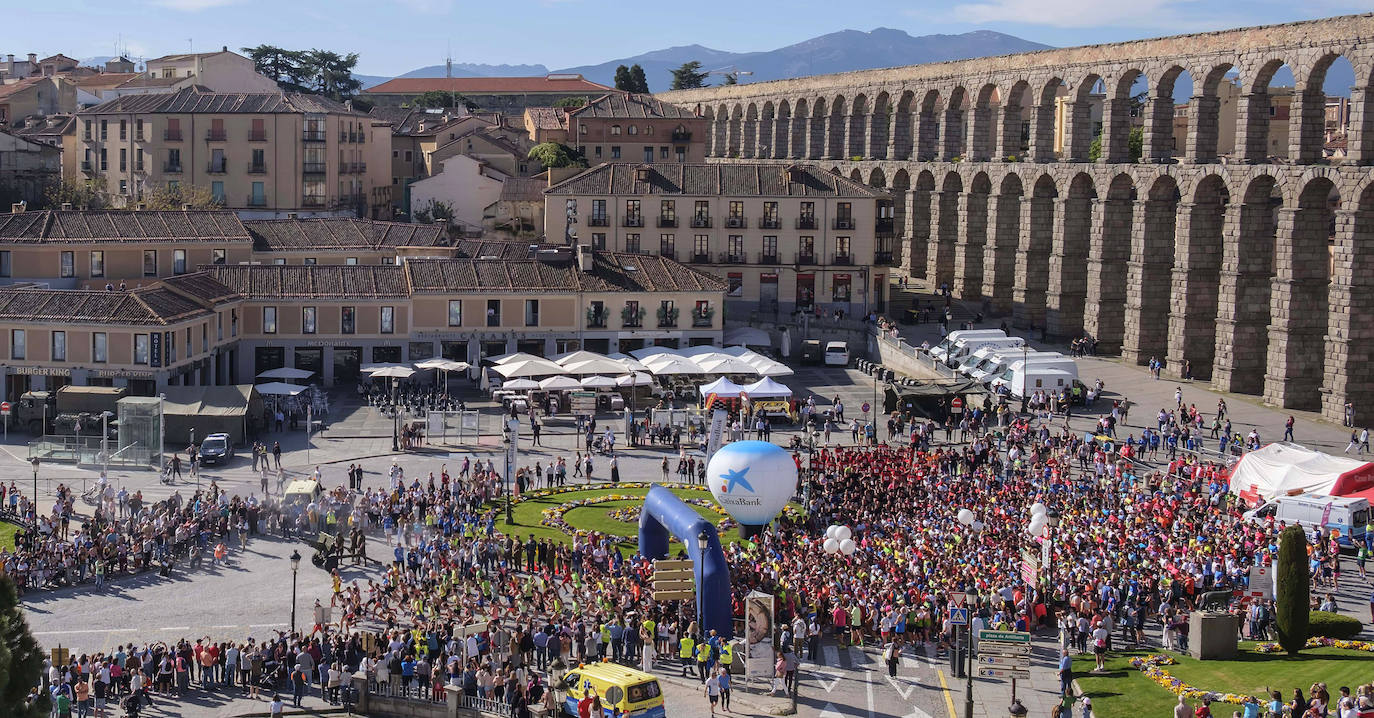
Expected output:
(702, 541)
(1052, 517)
(295, 560)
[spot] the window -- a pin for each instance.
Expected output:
(663, 153)
(701, 214)
(59, 346)
(615, 152)
(68, 264)
(279, 261)
(178, 261)
(493, 312)
(388, 320)
(736, 209)
(408, 156)
(219, 256)
(173, 161)
(599, 241)
(17, 346)
(87, 126)
(770, 215)
(632, 214)
(455, 312)
(701, 247)
(667, 246)
(256, 161)
(351, 261)
(735, 248)
(124, 187)
(258, 132)
(308, 317)
(599, 209)
(634, 130)
(171, 347)
(269, 320)
(631, 315)
(598, 151)
(531, 312)
(98, 263)
(123, 159)
(806, 250)
(844, 215)
(667, 313)
(100, 344)
(217, 191)
(259, 196)
(349, 320)
(104, 156)
(140, 348)
(138, 129)
(667, 211)
(615, 129)
(150, 262)
(204, 337)
(807, 218)
(6, 268)
(632, 243)
(770, 249)
(648, 155)
(841, 246)
(138, 160)
(309, 261)
(734, 284)
(104, 129)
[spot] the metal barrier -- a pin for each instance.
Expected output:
(490, 706)
(87, 450)
(899, 345)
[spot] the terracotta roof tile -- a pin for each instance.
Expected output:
(83, 226)
(259, 281)
(728, 180)
(486, 85)
(301, 235)
(198, 99)
(632, 106)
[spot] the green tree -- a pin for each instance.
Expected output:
(553, 154)
(730, 79)
(1294, 586)
(1135, 145)
(440, 98)
(688, 76)
(286, 67)
(622, 79)
(434, 211)
(637, 80)
(166, 198)
(571, 102)
(21, 660)
(88, 194)
(331, 74)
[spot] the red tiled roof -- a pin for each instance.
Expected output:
(486, 85)
(105, 79)
(15, 87)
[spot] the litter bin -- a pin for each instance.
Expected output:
(958, 659)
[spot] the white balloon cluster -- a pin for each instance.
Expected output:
(838, 539)
(967, 518)
(1039, 519)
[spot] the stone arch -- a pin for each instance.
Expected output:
(798, 147)
(877, 178)
(1195, 290)
(856, 174)
(749, 145)
(816, 148)
(982, 141)
(1037, 240)
(1252, 110)
(1298, 309)
(1158, 140)
(782, 130)
(879, 127)
(940, 269)
(1068, 287)
(1078, 119)
(768, 117)
(1307, 113)
(719, 129)
(1117, 108)
(902, 127)
(1108, 252)
(1204, 114)
(1000, 252)
(901, 196)
(1149, 272)
(734, 132)
(1350, 352)
(973, 224)
(928, 127)
(1013, 128)
(1044, 123)
(922, 198)
(1247, 268)
(953, 124)
(835, 129)
(855, 144)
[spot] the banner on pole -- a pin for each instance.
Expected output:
(717, 435)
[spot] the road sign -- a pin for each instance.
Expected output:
(1007, 650)
(582, 402)
(1002, 673)
(1261, 582)
(956, 406)
(5, 408)
(674, 575)
(958, 616)
(675, 585)
(674, 595)
(1010, 662)
(957, 598)
(664, 564)
(1030, 573)
(1004, 636)
(865, 407)
(1028, 556)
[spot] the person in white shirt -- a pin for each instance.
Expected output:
(712, 691)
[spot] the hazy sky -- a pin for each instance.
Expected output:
(395, 36)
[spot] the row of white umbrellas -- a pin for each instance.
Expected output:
(657, 361)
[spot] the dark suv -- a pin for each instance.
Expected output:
(216, 448)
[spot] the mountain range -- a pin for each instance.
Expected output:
(834, 52)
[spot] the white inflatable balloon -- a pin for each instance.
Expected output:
(843, 533)
(1037, 509)
(977, 526)
(965, 517)
(831, 545)
(752, 480)
(830, 531)
(848, 546)
(1037, 525)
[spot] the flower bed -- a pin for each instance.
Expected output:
(1319, 642)
(1152, 667)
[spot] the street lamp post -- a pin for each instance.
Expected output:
(971, 601)
(1051, 520)
(395, 418)
(295, 569)
(702, 543)
(34, 460)
(513, 436)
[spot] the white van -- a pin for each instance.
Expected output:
(1000, 360)
(1030, 378)
(1347, 515)
(959, 354)
(941, 350)
(837, 354)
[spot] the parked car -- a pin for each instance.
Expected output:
(216, 448)
(837, 354)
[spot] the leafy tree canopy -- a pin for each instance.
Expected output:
(315, 71)
(439, 98)
(553, 154)
(688, 76)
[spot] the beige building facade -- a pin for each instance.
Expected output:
(783, 237)
(623, 127)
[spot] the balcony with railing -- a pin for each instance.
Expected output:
(736, 221)
(257, 168)
(216, 136)
(668, 254)
(731, 258)
(596, 318)
(805, 258)
(313, 135)
(349, 201)
(86, 166)
(882, 258)
(843, 223)
(633, 220)
(311, 200)
(843, 260)
(701, 258)
(256, 201)
(702, 318)
(806, 223)
(884, 225)
(770, 223)
(598, 221)
(664, 221)
(667, 318)
(767, 257)
(701, 221)
(171, 167)
(217, 167)
(313, 168)
(171, 135)
(257, 135)
(681, 136)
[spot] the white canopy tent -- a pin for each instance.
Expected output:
(390, 372)
(1282, 469)
(598, 365)
(560, 383)
(597, 381)
(277, 388)
(512, 357)
(766, 389)
(748, 335)
(577, 356)
(763, 366)
(721, 387)
(287, 373)
(673, 365)
(724, 364)
(638, 378)
(443, 365)
(520, 384)
(529, 367)
(630, 363)
(642, 354)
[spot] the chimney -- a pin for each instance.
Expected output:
(292, 215)
(9, 64)
(66, 206)
(141, 206)
(33, 61)
(584, 258)
(17, 208)
(348, 105)
(224, 48)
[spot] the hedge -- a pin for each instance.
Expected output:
(1333, 625)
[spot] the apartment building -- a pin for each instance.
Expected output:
(27, 168)
(783, 237)
(222, 71)
(92, 249)
(261, 154)
(35, 96)
(623, 127)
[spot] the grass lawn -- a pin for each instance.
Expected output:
(1126, 693)
(596, 517)
(7, 531)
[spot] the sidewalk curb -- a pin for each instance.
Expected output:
(736, 695)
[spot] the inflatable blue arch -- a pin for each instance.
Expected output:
(664, 512)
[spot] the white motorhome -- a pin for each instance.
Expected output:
(1346, 515)
(966, 347)
(1022, 378)
(941, 350)
(1001, 360)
